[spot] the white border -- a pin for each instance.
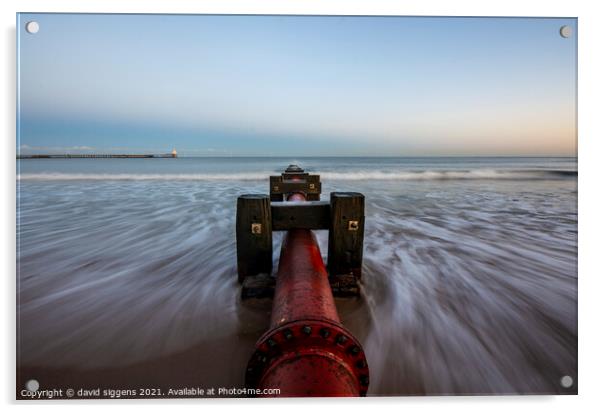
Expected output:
(590, 206)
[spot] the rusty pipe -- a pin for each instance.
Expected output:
(306, 351)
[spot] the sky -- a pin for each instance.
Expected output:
(296, 85)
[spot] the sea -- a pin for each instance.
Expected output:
(126, 271)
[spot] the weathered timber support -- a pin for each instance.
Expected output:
(295, 180)
(276, 194)
(342, 216)
(253, 235)
(346, 234)
(300, 215)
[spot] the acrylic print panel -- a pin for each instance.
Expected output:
(431, 248)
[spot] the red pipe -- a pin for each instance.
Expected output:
(307, 351)
(296, 196)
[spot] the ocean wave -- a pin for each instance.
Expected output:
(242, 176)
(342, 175)
(437, 175)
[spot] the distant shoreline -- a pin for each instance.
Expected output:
(122, 156)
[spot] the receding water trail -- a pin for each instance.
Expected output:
(469, 284)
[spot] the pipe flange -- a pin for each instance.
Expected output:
(308, 337)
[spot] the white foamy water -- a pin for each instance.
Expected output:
(258, 176)
(361, 175)
(470, 284)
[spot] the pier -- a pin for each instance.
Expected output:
(173, 154)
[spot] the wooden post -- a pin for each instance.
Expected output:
(253, 235)
(346, 234)
(276, 194)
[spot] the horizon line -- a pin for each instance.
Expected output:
(303, 156)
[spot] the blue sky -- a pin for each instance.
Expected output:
(296, 85)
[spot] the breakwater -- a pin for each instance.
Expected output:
(121, 156)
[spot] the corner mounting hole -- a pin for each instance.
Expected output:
(32, 385)
(566, 381)
(32, 27)
(566, 32)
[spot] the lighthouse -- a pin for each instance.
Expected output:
(174, 153)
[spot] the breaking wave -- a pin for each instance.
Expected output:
(254, 176)
(434, 175)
